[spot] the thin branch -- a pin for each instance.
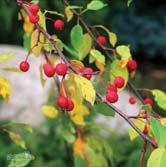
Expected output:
(125, 117)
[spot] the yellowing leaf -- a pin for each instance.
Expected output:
(160, 98)
(97, 55)
(123, 63)
(100, 66)
(124, 52)
(78, 113)
(11, 69)
(5, 57)
(5, 89)
(28, 26)
(163, 121)
(49, 111)
(77, 64)
(69, 13)
(112, 38)
(42, 80)
(86, 88)
(17, 139)
(132, 133)
(85, 46)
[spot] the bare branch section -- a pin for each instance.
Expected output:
(100, 97)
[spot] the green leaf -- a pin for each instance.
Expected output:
(42, 20)
(160, 98)
(123, 51)
(103, 109)
(95, 5)
(20, 160)
(129, 2)
(75, 7)
(67, 135)
(11, 69)
(76, 36)
(157, 158)
(17, 139)
(5, 57)
(132, 133)
(78, 161)
(116, 71)
(27, 41)
(159, 132)
(85, 47)
(97, 55)
(54, 13)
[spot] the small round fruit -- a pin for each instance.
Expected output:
(59, 24)
(70, 105)
(112, 97)
(48, 70)
(61, 69)
(148, 101)
(131, 65)
(62, 102)
(145, 131)
(34, 8)
(111, 88)
(34, 18)
(132, 100)
(24, 66)
(102, 40)
(87, 73)
(119, 82)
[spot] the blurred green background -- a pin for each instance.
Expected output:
(142, 25)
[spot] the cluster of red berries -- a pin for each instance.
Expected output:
(65, 103)
(112, 92)
(60, 69)
(34, 9)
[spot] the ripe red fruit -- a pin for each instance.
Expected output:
(111, 88)
(34, 18)
(112, 97)
(48, 70)
(61, 69)
(70, 105)
(148, 101)
(24, 66)
(132, 100)
(132, 65)
(34, 8)
(62, 102)
(102, 40)
(58, 24)
(119, 82)
(87, 73)
(145, 131)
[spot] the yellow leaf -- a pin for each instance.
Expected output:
(42, 80)
(77, 64)
(100, 66)
(69, 13)
(86, 88)
(11, 69)
(35, 45)
(124, 52)
(49, 111)
(28, 26)
(78, 113)
(5, 88)
(16, 138)
(112, 38)
(5, 57)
